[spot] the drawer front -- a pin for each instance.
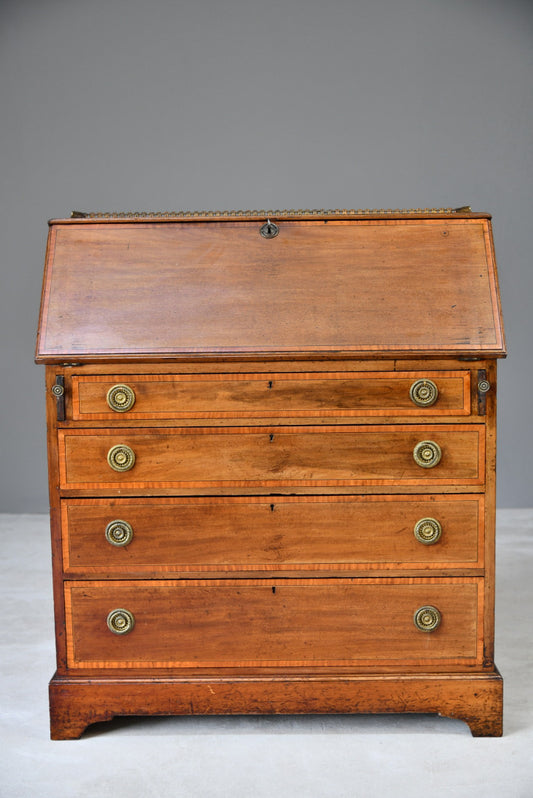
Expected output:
(268, 623)
(165, 396)
(237, 534)
(253, 457)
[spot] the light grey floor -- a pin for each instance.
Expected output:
(297, 757)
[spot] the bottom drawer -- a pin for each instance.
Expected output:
(273, 623)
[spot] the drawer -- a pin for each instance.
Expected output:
(269, 623)
(237, 534)
(254, 457)
(283, 395)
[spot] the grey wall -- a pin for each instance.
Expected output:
(218, 104)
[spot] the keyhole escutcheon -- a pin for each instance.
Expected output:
(269, 229)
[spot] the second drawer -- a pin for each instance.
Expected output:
(271, 457)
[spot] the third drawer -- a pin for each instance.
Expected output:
(272, 534)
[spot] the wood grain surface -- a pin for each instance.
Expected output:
(258, 457)
(273, 395)
(365, 286)
(476, 698)
(273, 565)
(245, 622)
(240, 535)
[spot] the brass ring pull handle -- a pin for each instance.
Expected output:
(427, 619)
(119, 533)
(120, 622)
(424, 393)
(427, 454)
(121, 457)
(427, 531)
(120, 398)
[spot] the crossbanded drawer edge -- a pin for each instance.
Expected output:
(299, 622)
(267, 534)
(275, 394)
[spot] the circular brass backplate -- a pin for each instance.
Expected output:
(120, 398)
(424, 393)
(427, 531)
(119, 533)
(427, 619)
(121, 457)
(427, 454)
(120, 621)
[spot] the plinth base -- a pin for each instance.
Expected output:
(477, 699)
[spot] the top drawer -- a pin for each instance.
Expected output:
(273, 395)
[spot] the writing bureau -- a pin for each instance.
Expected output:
(271, 442)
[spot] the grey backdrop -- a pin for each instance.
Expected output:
(220, 104)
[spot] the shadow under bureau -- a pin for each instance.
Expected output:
(271, 442)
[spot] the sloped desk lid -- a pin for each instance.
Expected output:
(213, 286)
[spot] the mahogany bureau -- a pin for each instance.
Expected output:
(271, 442)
